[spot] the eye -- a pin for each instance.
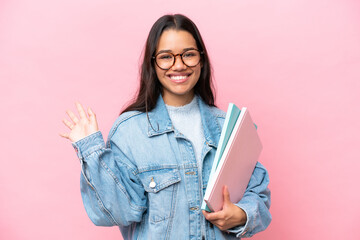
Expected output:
(165, 56)
(189, 54)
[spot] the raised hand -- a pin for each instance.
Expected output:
(80, 128)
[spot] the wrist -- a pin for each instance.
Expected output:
(242, 217)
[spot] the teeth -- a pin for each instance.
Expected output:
(178, 77)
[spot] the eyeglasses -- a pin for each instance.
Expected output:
(165, 60)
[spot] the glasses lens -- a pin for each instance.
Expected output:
(191, 58)
(165, 60)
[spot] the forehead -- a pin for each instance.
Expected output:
(175, 40)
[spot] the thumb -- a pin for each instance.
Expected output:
(226, 196)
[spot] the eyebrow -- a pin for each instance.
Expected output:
(169, 51)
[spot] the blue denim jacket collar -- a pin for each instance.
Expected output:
(160, 122)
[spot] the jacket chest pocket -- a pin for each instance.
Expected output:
(160, 185)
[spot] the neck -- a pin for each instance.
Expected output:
(177, 100)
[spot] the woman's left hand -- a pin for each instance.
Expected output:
(230, 215)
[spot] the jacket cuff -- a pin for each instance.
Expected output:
(88, 145)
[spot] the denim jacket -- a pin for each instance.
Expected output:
(145, 179)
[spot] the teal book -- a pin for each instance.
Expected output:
(232, 115)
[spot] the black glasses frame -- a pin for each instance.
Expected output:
(181, 57)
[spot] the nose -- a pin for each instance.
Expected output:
(178, 64)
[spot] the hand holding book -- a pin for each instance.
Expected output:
(230, 216)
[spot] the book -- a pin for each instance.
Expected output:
(238, 151)
(232, 115)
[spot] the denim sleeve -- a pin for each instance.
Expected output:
(255, 203)
(111, 192)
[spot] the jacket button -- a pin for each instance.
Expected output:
(152, 183)
(194, 208)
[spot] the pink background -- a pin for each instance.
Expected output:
(295, 64)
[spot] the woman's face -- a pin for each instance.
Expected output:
(178, 82)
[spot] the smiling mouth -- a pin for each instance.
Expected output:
(179, 78)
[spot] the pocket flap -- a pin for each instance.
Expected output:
(157, 179)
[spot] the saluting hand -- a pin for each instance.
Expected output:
(80, 128)
(230, 215)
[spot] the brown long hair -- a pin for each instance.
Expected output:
(150, 87)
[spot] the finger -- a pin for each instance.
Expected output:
(69, 124)
(213, 216)
(226, 196)
(72, 116)
(205, 213)
(64, 135)
(91, 114)
(81, 110)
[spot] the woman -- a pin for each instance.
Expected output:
(150, 177)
